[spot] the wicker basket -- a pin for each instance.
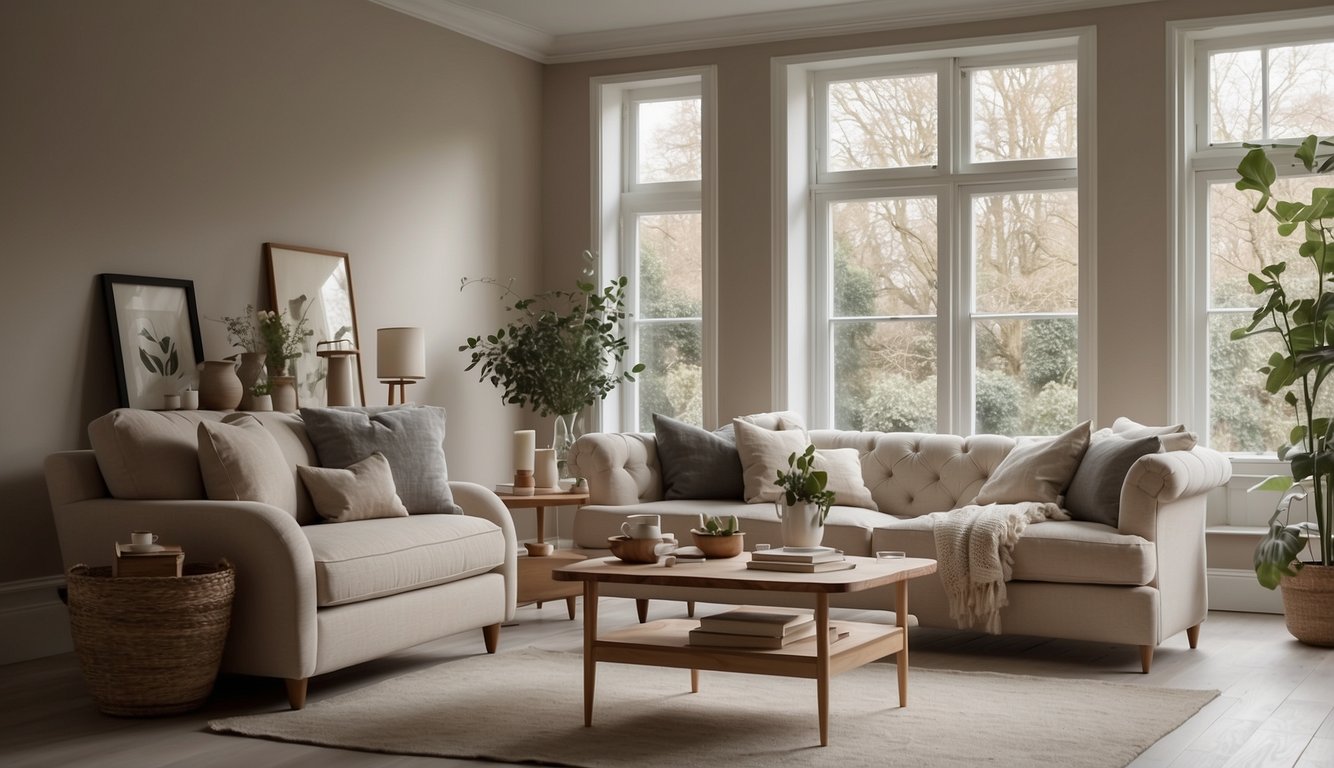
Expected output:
(150, 645)
(1308, 604)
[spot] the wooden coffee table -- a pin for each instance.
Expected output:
(666, 643)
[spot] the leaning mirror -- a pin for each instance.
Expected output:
(317, 285)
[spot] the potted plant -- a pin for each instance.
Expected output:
(559, 354)
(1303, 329)
(718, 536)
(260, 397)
(806, 502)
(243, 334)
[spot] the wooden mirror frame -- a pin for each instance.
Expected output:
(295, 272)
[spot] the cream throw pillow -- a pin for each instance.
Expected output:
(363, 491)
(1037, 471)
(763, 452)
(1171, 438)
(844, 467)
(241, 461)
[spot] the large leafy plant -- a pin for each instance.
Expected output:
(1303, 330)
(561, 352)
(803, 482)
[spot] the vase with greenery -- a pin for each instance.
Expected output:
(560, 353)
(806, 501)
(1301, 326)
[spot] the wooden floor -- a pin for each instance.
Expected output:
(1276, 707)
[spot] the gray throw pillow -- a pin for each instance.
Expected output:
(696, 463)
(1095, 490)
(411, 437)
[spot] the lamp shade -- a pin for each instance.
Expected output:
(400, 353)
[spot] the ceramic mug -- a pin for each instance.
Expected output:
(142, 540)
(642, 527)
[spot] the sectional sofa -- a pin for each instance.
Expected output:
(1137, 577)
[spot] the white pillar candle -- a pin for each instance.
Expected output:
(525, 441)
(545, 474)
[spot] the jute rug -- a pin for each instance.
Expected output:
(527, 706)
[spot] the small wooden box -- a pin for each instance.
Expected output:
(162, 561)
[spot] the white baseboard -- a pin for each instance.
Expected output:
(1233, 589)
(35, 622)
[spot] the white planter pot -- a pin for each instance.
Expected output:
(801, 524)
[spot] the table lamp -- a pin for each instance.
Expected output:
(400, 359)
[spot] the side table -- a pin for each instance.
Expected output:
(535, 582)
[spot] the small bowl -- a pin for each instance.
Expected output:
(719, 546)
(634, 550)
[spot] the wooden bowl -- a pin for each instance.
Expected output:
(634, 550)
(719, 546)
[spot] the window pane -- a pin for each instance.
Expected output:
(1242, 242)
(883, 122)
(1301, 91)
(668, 141)
(885, 376)
(1027, 376)
(670, 271)
(885, 260)
(1243, 417)
(1235, 96)
(671, 383)
(1025, 112)
(1026, 250)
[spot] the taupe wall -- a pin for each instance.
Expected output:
(1133, 270)
(174, 137)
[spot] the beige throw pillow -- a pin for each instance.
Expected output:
(363, 491)
(241, 461)
(844, 467)
(763, 452)
(1037, 471)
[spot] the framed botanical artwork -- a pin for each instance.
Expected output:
(154, 326)
(316, 285)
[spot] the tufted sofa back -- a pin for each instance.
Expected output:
(911, 474)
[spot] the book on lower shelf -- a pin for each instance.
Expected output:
(773, 565)
(762, 622)
(798, 555)
(729, 640)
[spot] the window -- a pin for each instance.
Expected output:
(1257, 84)
(948, 255)
(656, 230)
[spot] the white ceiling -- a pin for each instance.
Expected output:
(554, 31)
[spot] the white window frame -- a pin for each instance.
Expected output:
(1196, 164)
(618, 199)
(803, 188)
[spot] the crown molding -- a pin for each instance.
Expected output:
(490, 28)
(746, 29)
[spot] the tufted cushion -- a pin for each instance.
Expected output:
(621, 467)
(366, 559)
(912, 474)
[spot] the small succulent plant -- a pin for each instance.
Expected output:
(717, 525)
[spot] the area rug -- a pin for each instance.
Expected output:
(527, 707)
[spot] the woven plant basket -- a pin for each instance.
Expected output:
(1308, 604)
(150, 645)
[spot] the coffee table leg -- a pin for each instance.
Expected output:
(590, 634)
(901, 603)
(822, 663)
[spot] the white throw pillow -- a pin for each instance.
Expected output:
(1037, 471)
(763, 452)
(777, 420)
(844, 467)
(1172, 438)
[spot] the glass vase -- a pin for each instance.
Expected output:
(565, 433)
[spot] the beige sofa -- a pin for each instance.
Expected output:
(311, 597)
(1137, 583)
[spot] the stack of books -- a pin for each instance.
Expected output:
(800, 560)
(747, 627)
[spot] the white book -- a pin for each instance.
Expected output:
(798, 555)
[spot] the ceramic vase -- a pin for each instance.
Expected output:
(252, 365)
(801, 524)
(219, 388)
(260, 403)
(283, 391)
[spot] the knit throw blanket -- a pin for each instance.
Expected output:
(975, 556)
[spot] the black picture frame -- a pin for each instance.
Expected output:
(154, 327)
